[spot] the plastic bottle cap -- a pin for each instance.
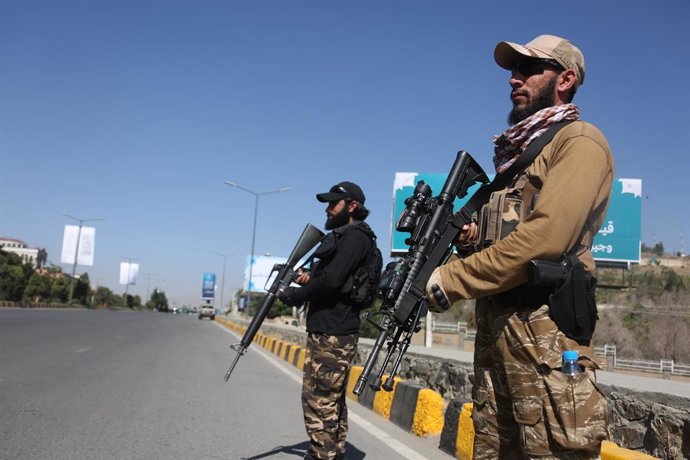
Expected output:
(571, 355)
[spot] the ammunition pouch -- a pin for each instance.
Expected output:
(499, 216)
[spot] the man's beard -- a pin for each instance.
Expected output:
(544, 99)
(338, 220)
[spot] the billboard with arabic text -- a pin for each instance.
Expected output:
(618, 239)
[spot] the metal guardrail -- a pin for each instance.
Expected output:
(447, 328)
(637, 365)
(459, 327)
(673, 368)
(663, 366)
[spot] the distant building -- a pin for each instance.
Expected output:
(28, 255)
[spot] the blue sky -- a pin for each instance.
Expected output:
(138, 111)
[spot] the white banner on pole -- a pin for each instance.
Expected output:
(128, 273)
(87, 241)
(261, 270)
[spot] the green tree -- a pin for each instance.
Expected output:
(14, 276)
(653, 284)
(11, 282)
(158, 301)
(104, 298)
(59, 290)
(82, 290)
(136, 302)
(673, 282)
(38, 288)
(53, 269)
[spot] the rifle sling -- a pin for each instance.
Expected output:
(502, 180)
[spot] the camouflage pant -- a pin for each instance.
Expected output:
(524, 407)
(326, 370)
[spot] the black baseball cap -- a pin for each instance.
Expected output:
(342, 191)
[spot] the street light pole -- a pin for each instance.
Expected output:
(148, 285)
(129, 273)
(256, 211)
(222, 283)
(76, 251)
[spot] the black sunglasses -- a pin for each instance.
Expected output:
(529, 67)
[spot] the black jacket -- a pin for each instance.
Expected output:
(338, 256)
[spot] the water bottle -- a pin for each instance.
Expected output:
(570, 365)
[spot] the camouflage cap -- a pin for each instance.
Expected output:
(507, 54)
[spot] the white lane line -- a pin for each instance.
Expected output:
(401, 449)
(82, 350)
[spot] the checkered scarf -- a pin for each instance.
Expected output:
(513, 141)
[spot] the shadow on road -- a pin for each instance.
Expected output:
(299, 450)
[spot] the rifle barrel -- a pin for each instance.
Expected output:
(240, 351)
(371, 361)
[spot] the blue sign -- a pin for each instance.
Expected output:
(208, 285)
(404, 188)
(618, 240)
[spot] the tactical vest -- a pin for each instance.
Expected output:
(572, 302)
(504, 211)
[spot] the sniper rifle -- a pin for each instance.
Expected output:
(433, 228)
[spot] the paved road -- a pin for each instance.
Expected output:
(83, 384)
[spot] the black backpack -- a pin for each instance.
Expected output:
(362, 287)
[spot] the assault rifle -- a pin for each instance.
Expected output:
(433, 228)
(286, 274)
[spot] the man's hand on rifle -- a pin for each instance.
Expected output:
(303, 277)
(468, 236)
(289, 298)
(437, 300)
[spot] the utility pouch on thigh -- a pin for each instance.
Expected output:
(556, 412)
(573, 306)
(571, 414)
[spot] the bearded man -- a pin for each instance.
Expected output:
(524, 405)
(332, 318)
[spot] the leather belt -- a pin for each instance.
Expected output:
(523, 296)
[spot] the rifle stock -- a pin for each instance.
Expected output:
(404, 301)
(286, 274)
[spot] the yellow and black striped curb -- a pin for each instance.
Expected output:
(414, 408)
(290, 352)
(410, 406)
